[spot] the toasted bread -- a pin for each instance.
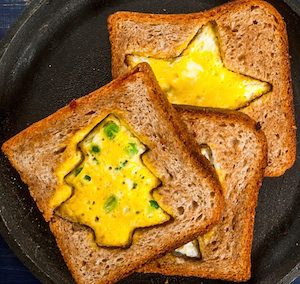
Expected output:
(239, 150)
(186, 176)
(253, 41)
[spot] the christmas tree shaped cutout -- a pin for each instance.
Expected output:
(112, 186)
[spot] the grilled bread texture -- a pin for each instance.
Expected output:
(187, 178)
(239, 152)
(253, 41)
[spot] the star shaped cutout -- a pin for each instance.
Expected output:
(112, 186)
(199, 77)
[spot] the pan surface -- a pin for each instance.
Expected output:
(58, 51)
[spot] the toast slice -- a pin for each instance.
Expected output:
(252, 41)
(239, 154)
(186, 177)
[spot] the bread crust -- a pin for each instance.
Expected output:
(261, 44)
(236, 264)
(135, 97)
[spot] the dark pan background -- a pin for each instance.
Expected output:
(58, 51)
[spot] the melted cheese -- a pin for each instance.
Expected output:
(198, 76)
(111, 185)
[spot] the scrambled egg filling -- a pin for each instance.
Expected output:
(111, 185)
(198, 76)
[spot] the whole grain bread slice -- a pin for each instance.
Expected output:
(239, 150)
(253, 42)
(186, 176)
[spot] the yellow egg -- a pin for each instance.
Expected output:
(198, 76)
(104, 184)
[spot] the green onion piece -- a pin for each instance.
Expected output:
(95, 149)
(122, 165)
(110, 203)
(132, 149)
(154, 204)
(77, 171)
(87, 177)
(111, 129)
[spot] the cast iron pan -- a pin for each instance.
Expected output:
(58, 51)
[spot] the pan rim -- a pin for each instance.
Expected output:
(30, 11)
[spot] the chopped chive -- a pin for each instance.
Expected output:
(111, 129)
(95, 149)
(154, 204)
(87, 177)
(110, 203)
(77, 171)
(122, 165)
(132, 149)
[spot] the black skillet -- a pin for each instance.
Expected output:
(58, 51)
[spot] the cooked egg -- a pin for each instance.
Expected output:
(190, 249)
(198, 76)
(111, 185)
